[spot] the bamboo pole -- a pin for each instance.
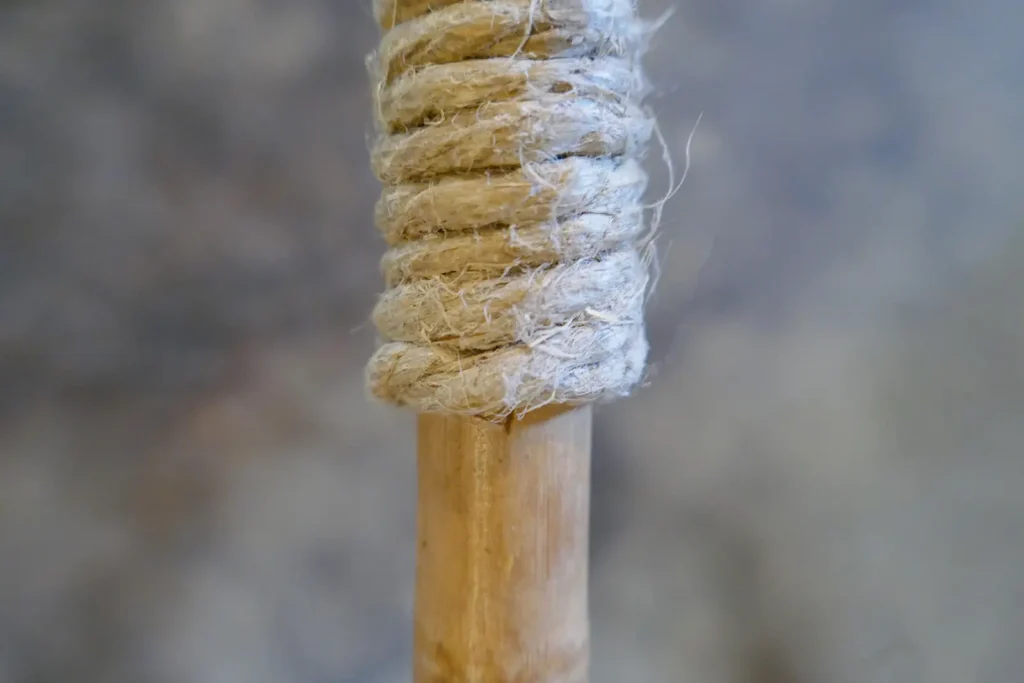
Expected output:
(501, 575)
(511, 134)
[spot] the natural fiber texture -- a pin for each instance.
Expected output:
(509, 139)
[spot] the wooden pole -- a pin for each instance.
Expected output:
(543, 95)
(503, 523)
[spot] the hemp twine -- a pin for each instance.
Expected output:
(509, 140)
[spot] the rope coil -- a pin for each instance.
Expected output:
(510, 134)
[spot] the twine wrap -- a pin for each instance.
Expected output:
(509, 139)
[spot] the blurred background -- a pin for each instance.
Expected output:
(823, 481)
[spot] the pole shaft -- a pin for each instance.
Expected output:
(503, 524)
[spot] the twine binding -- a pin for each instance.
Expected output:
(509, 140)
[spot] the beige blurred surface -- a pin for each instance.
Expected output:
(822, 481)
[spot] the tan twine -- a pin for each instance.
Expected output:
(509, 140)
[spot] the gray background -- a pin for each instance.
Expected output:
(822, 482)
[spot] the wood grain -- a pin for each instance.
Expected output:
(501, 580)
